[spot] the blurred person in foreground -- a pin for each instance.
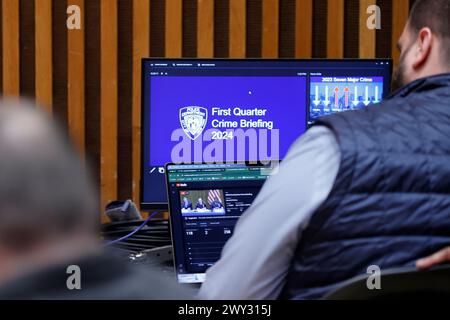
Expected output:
(49, 220)
(360, 188)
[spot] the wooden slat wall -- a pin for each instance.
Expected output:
(79, 75)
(141, 48)
(174, 30)
(75, 81)
(205, 29)
(44, 54)
(270, 23)
(303, 28)
(108, 101)
(335, 29)
(400, 9)
(367, 40)
(10, 54)
(237, 28)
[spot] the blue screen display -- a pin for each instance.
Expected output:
(235, 110)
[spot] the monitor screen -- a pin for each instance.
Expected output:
(206, 201)
(214, 110)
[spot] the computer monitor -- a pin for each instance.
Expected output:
(216, 110)
(205, 202)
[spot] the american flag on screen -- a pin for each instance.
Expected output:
(214, 194)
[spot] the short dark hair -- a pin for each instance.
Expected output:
(434, 14)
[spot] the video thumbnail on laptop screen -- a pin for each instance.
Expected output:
(202, 202)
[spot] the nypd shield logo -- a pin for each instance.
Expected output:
(193, 120)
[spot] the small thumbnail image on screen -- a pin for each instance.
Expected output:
(335, 94)
(202, 202)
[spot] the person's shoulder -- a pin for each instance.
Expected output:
(317, 135)
(318, 141)
(348, 120)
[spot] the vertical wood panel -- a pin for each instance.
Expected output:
(367, 37)
(108, 100)
(92, 92)
(400, 12)
(383, 35)
(1, 47)
(253, 29)
(270, 23)
(205, 28)
(319, 37)
(335, 29)
(237, 28)
(286, 29)
(189, 28)
(222, 28)
(125, 93)
(59, 62)
(157, 35)
(351, 28)
(44, 76)
(303, 28)
(141, 48)
(174, 28)
(11, 55)
(75, 81)
(27, 49)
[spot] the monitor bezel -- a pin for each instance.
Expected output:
(163, 206)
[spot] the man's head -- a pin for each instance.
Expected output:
(425, 42)
(46, 199)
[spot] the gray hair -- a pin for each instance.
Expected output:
(44, 189)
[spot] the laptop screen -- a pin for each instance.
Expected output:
(205, 202)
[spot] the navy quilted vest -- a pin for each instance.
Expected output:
(390, 203)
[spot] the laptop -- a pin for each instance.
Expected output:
(205, 203)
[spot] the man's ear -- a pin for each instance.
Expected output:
(425, 40)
